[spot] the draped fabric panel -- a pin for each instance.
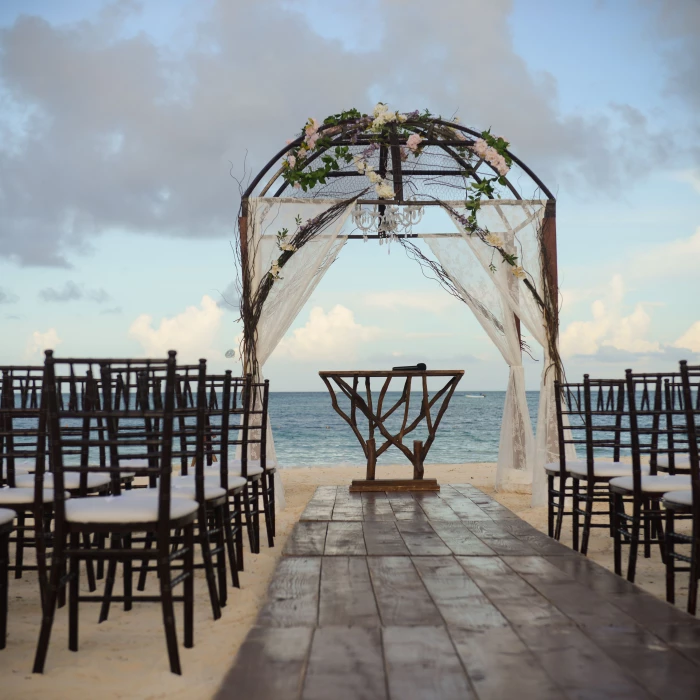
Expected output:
(298, 279)
(478, 291)
(519, 223)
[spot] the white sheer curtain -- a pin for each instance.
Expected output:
(520, 221)
(478, 291)
(298, 278)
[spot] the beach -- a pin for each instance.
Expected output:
(125, 657)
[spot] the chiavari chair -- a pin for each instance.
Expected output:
(644, 488)
(569, 407)
(686, 504)
(605, 431)
(116, 515)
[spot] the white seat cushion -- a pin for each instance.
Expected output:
(660, 483)
(253, 467)
(183, 487)
(6, 516)
(23, 496)
(603, 468)
(679, 460)
(23, 466)
(124, 509)
(681, 498)
(552, 467)
(71, 480)
(234, 482)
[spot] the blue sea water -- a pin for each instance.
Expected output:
(308, 432)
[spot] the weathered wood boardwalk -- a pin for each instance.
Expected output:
(450, 595)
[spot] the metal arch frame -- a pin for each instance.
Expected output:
(549, 230)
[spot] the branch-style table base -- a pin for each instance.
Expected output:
(376, 421)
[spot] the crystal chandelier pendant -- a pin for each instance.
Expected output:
(394, 222)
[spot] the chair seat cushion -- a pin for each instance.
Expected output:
(211, 476)
(22, 466)
(660, 483)
(183, 487)
(71, 480)
(553, 467)
(679, 460)
(6, 516)
(253, 467)
(603, 468)
(679, 498)
(124, 509)
(23, 496)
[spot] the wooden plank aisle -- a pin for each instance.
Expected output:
(450, 595)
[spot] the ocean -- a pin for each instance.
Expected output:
(308, 432)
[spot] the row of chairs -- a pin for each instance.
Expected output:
(138, 465)
(640, 474)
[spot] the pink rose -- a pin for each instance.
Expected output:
(413, 141)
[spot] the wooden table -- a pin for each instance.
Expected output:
(348, 383)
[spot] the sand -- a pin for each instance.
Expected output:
(125, 657)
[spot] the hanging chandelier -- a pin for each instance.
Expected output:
(391, 223)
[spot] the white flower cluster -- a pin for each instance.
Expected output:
(382, 187)
(382, 116)
(518, 272)
(494, 239)
(275, 269)
(287, 246)
(492, 156)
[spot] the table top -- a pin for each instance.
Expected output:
(391, 373)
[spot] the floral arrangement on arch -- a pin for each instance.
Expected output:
(311, 161)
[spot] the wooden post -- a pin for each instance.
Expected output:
(417, 459)
(549, 242)
(245, 280)
(371, 459)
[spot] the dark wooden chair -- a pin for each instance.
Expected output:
(570, 418)
(605, 431)
(117, 515)
(644, 488)
(674, 459)
(254, 466)
(686, 504)
(7, 517)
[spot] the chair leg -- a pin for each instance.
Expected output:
(109, 583)
(634, 541)
(73, 593)
(273, 512)
(221, 555)
(89, 565)
(100, 542)
(694, 573)
(560, 509)
(4, 587)
(646, 506)
(550, 505)
(249, 517)
(587, 518)
(203, 537)
(575, 515)
(617, 539)
(238, 519)
(670, 565)
(230, 546)
(19, 545)
(188, 585)
(57, 565)
(267, 479)
(166, 597)
(128, 575)
(658, 528)
(143, 572)
(42, 571)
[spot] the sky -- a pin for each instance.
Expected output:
(124, 127)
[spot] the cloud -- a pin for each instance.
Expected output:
(667, 259)
(435, 302)
(691, 176)
(329, 336)
(690, 339)
(38, 342)
(73, 292)
(7, 297)
(139, 134)
(609, 328)
(113, 311)
(229, 299)
(192, 333)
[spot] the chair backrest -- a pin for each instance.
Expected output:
(570, 408)
(606, 419)
(227, 422)
(690, 380)
(105, 436)
(675, 433)
(22, 427)
(257, 438)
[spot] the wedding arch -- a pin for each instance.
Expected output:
(380, 171)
